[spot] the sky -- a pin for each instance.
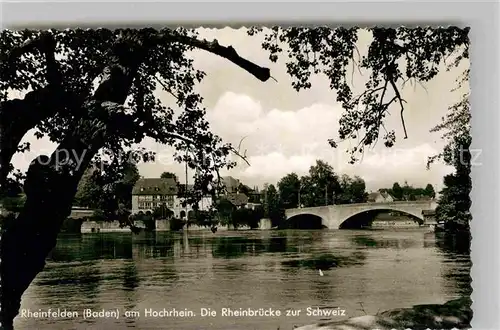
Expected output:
(286, 131)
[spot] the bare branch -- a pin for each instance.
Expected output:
(352, 73)
(239, 145)
(398, 96)
(381, 111)
(180, 137)
(390, 72)
(166, 88)
(367, 92)
(423, 87)
(228, 53)
(243, 157)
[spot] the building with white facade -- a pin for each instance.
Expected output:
(182, 211)
(151, 193)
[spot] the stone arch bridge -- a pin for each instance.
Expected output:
(333, 216)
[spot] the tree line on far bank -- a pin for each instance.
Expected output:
(321, 186)
(407, 192)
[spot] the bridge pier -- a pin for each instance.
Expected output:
(429, 217)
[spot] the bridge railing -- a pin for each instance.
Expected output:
(395, 203)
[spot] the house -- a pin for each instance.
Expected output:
(255, 196)
(239, 200)
(182, 210)
(380, 197)
(231, 184)
(150, 193)
(183, 189)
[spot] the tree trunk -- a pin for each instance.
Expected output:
(50, 187)
(25, 244)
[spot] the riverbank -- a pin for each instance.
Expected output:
(452, 314)
(79, 226)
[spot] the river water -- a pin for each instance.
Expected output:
(364, 271)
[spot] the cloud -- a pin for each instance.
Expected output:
(280, 141)
(399, 165)
(274, 129)
(273, 166)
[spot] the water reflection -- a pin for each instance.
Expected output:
(457, 263)
(277, 244)
(384, 242)
(247, 269)
(69, 282)
(240, 246)
(130, 276)
(131, 281)
(458, 244)
(146, 245)
(71, 247)
(327, 261)
(185, 242)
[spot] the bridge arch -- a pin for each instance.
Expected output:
(344, 221)
(305, 220)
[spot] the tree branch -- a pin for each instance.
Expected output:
(43, 41)
(390, 76)
(17, 117)
(228, 53)
(398, 97)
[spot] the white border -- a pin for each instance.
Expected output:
(482, 17)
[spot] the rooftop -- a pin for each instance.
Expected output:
(237, 199)
(155, 186)
(182, 187)
(374, 195)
